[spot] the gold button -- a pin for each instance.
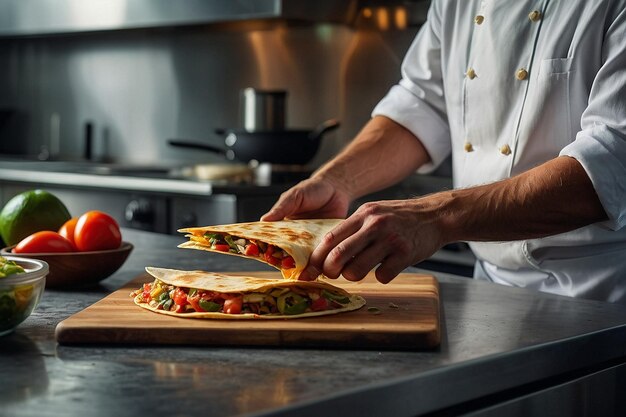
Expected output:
(505, 150)
(471, 74)
(468, 147)
(521, 74)
(479, 19)
(534, 16)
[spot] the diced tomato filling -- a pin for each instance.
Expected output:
(287, 263)
(291, 300)
(233, 305)
(147, 287)
(194, 302)
(221, 247)
(320, 304)
(271, 254)
(252, 250)
(180, 297)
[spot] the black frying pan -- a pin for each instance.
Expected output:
(282, 147)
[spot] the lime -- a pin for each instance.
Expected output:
(30, 212)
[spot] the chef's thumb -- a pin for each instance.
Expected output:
(273, 215)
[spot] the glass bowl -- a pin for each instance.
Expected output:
(20, 293)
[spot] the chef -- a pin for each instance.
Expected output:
(529, 97)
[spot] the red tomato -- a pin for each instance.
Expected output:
(233, 305)
(96, 230)
(67, 230)
(321, 304)
(180, 297)
(194, 300)
(252, 250)
(272, 260)
(45, 241)
(221, 247)
(287, 262)
(147, 289)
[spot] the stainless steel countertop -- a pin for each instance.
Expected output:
(148, 179)
(155, 179)
(494, 338)
(107, 181)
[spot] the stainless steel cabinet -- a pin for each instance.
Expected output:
(162, 213)
(139, 211)
(600, 393)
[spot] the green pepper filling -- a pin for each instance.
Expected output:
(209, 306)
(340, 298)
(292, 303)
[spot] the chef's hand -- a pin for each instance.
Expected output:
(394, 234)
(314, 198)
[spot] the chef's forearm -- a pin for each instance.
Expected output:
(552, 198)
(382, 154)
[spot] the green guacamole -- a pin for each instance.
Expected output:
(15, 301)
(9, 267)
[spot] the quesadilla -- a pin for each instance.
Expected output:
(210, 295)
(285, 245)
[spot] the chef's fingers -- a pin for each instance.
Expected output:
(390, 267)
(346, 250)
(364, 262)
(329, 243)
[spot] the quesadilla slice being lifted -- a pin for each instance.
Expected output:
(286, 245)
(209, 295)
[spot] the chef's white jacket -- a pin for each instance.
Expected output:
(507, 85)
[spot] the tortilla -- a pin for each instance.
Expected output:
(244, 286)
(296, 238)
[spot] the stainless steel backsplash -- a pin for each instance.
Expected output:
(140, 87)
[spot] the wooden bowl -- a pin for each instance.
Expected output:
(78, 269)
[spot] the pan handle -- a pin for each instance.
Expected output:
(179, 143)
(323, 127)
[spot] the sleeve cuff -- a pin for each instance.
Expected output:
(602, 153)
(405, 108)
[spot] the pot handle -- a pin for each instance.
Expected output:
(195, 145)
(324, 127)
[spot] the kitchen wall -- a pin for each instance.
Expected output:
(141, 87)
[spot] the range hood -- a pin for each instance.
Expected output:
(42, 17)
(45, 17)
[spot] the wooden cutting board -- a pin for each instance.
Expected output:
(401, 315)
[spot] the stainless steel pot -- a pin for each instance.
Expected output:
(263, 110)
